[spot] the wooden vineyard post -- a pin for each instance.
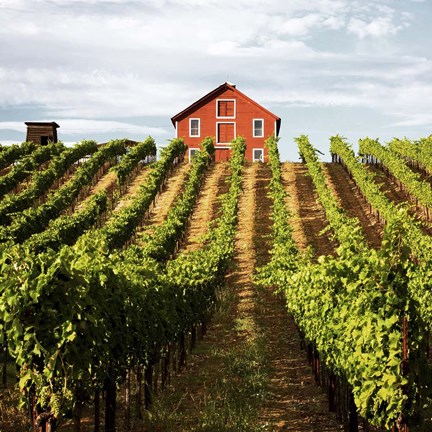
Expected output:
(97, 410)
(402, 426)
(352, 412)
(148, 379)
(5, 355)
(165, 366)
(316, 367)
(182, 351)
(127, 391)
(332, 392)
(138, 395)
(32, 409)
(110, 405)
(193, 337)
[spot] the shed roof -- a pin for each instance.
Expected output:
(213, 94)
(42, 124)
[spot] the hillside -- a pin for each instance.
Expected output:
(184, 241)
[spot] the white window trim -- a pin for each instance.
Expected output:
(190, 128)
(226, 100)
(253, 155)
(253, 128)
(190, 151)
(217, 130)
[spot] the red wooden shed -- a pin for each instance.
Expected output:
(224, 114)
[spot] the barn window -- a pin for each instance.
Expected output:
(225, 133)
(258, 128)
(194, 127)
(225, 108)
(192, 153)
(258, 155)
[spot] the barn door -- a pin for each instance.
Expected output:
(222, 155)
(225, 132)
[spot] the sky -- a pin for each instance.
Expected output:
(105, 69)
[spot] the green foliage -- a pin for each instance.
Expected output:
(28, 165)
(382, 288)
(419, 151)
(123, 223)
(350, 307)
(418, 188)
(284, 253)
(131, 159)
(41, 181)
(77, 314)
(15, 152)
(346, 230)
(34, 220)
(419, 282)
(67, 228)
(197, 275)
(85, 313)
(161, 243)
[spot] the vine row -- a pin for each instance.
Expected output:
(420, 190)
(15, 152)
(123, 223)
(416, 153)
(164, 239)
(86, 314)
(415, 239)
(28, 165)
(344, 228)
(353, 309)
(42, 181)
(34, 220)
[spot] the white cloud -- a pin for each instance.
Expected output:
(85, 126)
(300, 26)
(95, 59)
(378, 27)
(73, 126)
(88, 94)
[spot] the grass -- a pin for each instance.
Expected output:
(233, 380)
(232, 402)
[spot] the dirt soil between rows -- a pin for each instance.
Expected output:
(293, 402)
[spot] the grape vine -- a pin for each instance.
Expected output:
(86, 314)
(351, 308)
(29, 165)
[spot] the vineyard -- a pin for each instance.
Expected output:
(286, 296)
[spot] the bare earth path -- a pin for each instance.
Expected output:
(253, 320)
(294, 402)
(308, 216)
(170, 192)
(133, 188)
(206, 206)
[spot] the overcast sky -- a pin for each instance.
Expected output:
(107, 69)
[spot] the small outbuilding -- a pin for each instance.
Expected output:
(42, 132)
(226, 113)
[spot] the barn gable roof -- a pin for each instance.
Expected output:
(209, 96)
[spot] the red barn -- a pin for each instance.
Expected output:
(226, 113)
